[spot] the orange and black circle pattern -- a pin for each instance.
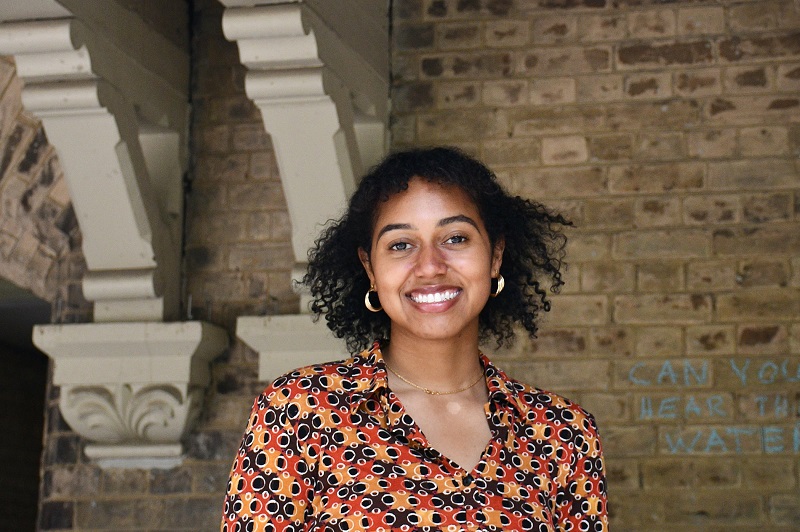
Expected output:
(330, 447)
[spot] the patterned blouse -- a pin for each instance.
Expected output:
(330, 447)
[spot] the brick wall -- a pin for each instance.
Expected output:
(666, 130)
(670, 133)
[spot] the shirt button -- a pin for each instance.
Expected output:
(467, 480)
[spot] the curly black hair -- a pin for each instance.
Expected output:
(534, 248)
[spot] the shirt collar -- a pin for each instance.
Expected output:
(503, 391)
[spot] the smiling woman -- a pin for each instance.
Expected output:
(420, 431)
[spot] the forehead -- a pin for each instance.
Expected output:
(425, 200)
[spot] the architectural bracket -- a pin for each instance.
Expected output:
(132, 389)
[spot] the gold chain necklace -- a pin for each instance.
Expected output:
(434, 392)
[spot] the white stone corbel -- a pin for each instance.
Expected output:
(132, 389)
(112, 95)
(320, 79)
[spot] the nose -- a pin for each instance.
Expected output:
(430, 262)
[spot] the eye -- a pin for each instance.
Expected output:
(400, 246)
(456, 239)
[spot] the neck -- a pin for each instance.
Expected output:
(435, 364)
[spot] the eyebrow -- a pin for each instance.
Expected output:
(441, 223)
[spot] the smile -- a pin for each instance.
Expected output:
(437, 297)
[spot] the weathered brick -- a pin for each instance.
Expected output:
(594, 28)
(607, 408)
(756, 241)
(507, 33)
(748, 79)
(717, 508)
(588, 247)
(764, 141)
(767, 472)
(662, 308)
(564, 150)
(659, 341)
(555, 29)
(611, 147)
(413, 36)
(579, 310)
(565, 61)
(511, 151)
(607, 277)
(629, 441)
(457, 36)
(758, 208)
(248, 257)
(751, 109)
(737, 48)
(670, 114)
(704, 20)
(660, 147)
(763, 406)
(411, 97)
(121, 514)
(660, 55)
(761, 304)
(560, 182)
(552, 91)
(697, 82)
(466, 65)
(540, 120)
(622, 473)
(562, 375)
(716, 209)
(649, 85)
(454, 94)
(753, 16)
(749, 174)
(250, 137)
(609, 213)
(505, 93)
(556, 343)
(612, 341)
(657, 212)
(601, 88)
(714, 143)
(659, 277)
(449, 127)
(762, 339)
(788, 77)
(710, 339)
(193, 513)
(651, 23)
(684, 243)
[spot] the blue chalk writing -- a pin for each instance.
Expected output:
(715, 403)
(773, 439)
(737, 432)
(768, 373)
(692, 407)
(714, 441)
(634, 379)
(741, 372)
(678, 446)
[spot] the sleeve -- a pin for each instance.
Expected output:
(581, 502)
(271, 482)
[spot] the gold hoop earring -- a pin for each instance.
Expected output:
(501, 283)
(368, 303)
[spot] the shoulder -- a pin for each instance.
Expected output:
(314, 383)
(561, 418)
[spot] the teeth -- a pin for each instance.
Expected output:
(434, 298)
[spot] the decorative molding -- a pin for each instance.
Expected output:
(145, 388)
(287, 342)
(321, 83)
(112, 96)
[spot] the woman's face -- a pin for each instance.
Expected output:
(431, 261)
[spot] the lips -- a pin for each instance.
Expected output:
(439, 296)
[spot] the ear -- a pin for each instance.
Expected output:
(497, 254)
(363, 256)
